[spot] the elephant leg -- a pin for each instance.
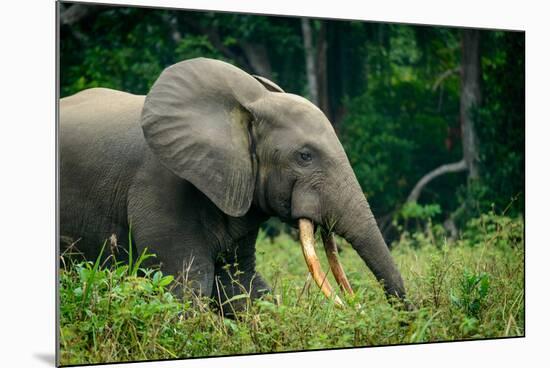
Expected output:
(193, 272)
(191, 264)
(236, 275)
(196, 274)
(170, 231)
(230, 282)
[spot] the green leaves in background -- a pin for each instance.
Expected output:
(393, 91)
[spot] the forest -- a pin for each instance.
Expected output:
(396, 94)
(432, 119)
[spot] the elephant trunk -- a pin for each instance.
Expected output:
(359, 228)
(348, 214)
(354, 221)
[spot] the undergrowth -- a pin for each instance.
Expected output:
(468, 288)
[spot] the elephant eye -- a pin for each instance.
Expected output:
(305, 156)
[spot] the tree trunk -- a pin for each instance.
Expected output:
(321, 70)
(339, 63)
(310, 61)
(173, 24)
(470, 98)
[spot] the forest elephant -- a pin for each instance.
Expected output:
(195, 167)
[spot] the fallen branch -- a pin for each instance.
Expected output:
(443, 169)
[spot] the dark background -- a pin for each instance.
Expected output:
(404, 99)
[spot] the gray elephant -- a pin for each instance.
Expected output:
(197, 165)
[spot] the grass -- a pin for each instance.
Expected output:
(470, 288)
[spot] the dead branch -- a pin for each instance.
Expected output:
(443, 169)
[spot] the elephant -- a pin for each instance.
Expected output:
(192, 169)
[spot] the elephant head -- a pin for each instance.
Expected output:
(244, 142)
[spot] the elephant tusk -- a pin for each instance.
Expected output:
(336, 267)
(307, 241)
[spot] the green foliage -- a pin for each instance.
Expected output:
(127, 48)
(393, 90)
(500, 122)
(134, 265)
(472, 293)
(412, 210)
(88, 276)
(490, 228)
(396, 130)
(113, 52)
(414, 217)
(469, 288)
(375, 146)
(192, 46)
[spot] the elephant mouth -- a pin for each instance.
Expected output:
(307, 241)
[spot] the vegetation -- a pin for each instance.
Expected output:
(470, 288)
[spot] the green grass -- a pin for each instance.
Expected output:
(468, 289)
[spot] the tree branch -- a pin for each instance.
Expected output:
(443, 169)
(446, 74)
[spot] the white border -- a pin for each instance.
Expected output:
(27, 182)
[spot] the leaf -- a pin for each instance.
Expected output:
(166, 280)
(231, 324)
(156, 277)
(234, 298)
(90, 278)
(455, 300)
(143, 256)
(78, 291)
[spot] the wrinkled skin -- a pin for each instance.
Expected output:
(195, 168)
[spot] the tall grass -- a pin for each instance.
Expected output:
(470, 288)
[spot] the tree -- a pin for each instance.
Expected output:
(316, 63)
(311, 69)
(470, 98)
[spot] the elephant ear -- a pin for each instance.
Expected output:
(269, 85)
(195, 120)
